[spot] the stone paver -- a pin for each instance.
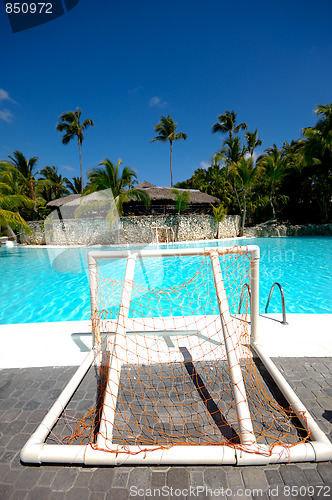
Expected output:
(215, 478)
(254, 478)
(26, 395)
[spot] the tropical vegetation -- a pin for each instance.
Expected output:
(226, 124)
(13, 198)
(291, 183)
(71, 126)
(166, 130)
(108, 177)
(219, 215)
(51, 184)
(182, 201)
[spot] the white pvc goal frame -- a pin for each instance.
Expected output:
(37, 450)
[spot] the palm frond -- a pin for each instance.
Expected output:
(138, 194)
(12, 201)
(14, 220)
(219, 212)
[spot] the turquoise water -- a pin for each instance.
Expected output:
(39, 284)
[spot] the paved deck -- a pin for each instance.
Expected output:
(27, 391)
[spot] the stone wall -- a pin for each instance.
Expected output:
(186, 227)
(138, 230)
(131, 230)
(37, 236)
(274, 230)
(70, 232)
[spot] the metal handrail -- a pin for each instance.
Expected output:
(246, 285)
(283, 322)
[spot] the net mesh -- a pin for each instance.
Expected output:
(163, 374)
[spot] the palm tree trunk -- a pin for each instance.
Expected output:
(32, 194)
(11, 233)
(171, 163)
(237, 196)
(271, 202)
(79, 148)
(244, 215)
(177, 226)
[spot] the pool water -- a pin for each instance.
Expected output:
(40, 284)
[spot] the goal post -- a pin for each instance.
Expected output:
(177, 377)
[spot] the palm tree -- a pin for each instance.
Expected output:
(219, 215)
(271, 151)
(274, 169)
(252, 142)
(316, 152)
(182, 201)
(226, 124)
(74, 186)
(71, 126)
(325, 122)
(26, 168)
(12, 177)
(11, 219)
(166, 130)
(231, 154)
(52, 183)
(108, 177)
(245, 175)
(213, 181)
(11, 198)
(313, 156)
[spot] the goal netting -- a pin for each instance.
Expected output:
(177, 378)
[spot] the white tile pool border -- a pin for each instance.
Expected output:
(67, 343)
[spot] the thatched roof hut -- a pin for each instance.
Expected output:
(162, 200)
(163, 194)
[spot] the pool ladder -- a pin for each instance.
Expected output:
(247, 286)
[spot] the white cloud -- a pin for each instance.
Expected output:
(135, 90)
(4, 96)
(205, 165)
(157, 102)
(255, 155)
(6, 115)
(70, 169)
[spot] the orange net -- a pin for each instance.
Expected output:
(164, 376)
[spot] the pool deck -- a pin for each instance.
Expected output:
(66, 343)
(37, 360)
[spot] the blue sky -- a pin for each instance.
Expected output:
(127, 63)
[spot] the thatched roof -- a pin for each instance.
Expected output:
(104, 195)
(156, 194)
(63, 201)
(145, 185)
(96, 204)
(74, 200)
(165, 194)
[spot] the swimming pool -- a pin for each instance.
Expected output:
(32, 290)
